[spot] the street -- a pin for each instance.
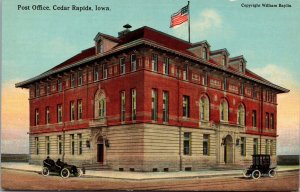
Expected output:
(21, 180)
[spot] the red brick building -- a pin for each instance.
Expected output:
(148, 101)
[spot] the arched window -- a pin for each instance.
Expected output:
(224, 111)
(241, 115)
(204, 108)
(100, 105)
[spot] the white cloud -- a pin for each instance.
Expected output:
(278, 75)
(209, 19)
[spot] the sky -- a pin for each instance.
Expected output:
(34, 41)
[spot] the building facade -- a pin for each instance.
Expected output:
(147, 101)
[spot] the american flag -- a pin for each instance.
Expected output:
(180, 17)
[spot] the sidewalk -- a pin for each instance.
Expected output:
(145, 175)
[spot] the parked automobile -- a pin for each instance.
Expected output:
(260, 166)
(63, 169)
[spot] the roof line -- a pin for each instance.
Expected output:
(166, 34)
(149, 42)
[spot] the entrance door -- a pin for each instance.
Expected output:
(228, 149)
(100, 152)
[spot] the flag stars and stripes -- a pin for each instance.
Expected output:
(180, 17)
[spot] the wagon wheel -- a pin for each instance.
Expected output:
(245, 173)
(256, 174)
(78, 173)
(65, 173)
(272, 173)
(45, 171)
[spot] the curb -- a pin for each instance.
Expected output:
(163, 178)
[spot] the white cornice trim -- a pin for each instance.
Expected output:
(150, 43)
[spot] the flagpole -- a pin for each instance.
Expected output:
(189, 22)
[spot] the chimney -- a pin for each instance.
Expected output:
(125, 31)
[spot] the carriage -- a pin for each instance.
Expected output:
(260, 166)
(63, 169)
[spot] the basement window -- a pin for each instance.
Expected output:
(188, 168)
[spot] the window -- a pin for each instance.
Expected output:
(47, 115)
(100, 105)
(133, 62)
(241, 67)
(204, 79)
(224, 62)
(96, 73)
(59, 85)
(37, 90)
(79, 109)
(100, 47)
(255, 146)
(187, 144)
(122, 66)
(204, 53)
(48, 88)
(154, 105)
(267, 147)
(271, 148)
(80, 81)
(166, 66)
(254, 118)
(272, 121)
(242, 88)
(225, 84)
(36, 141)
(72, 144)
(72, 80)
(255, 94)
(37, 117)
(133, 104)
(267, 120)
(185, 73)
(105, 71)
(59, 113)
(241, 115)
(59, 144)
(243, 146)
(79, 138)
(165, 106)
(186, 106)
(154, 62)
(123, 106)
(204, 109)
(47, 139)
(224, 111)
(72, 111)
(205, 144)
